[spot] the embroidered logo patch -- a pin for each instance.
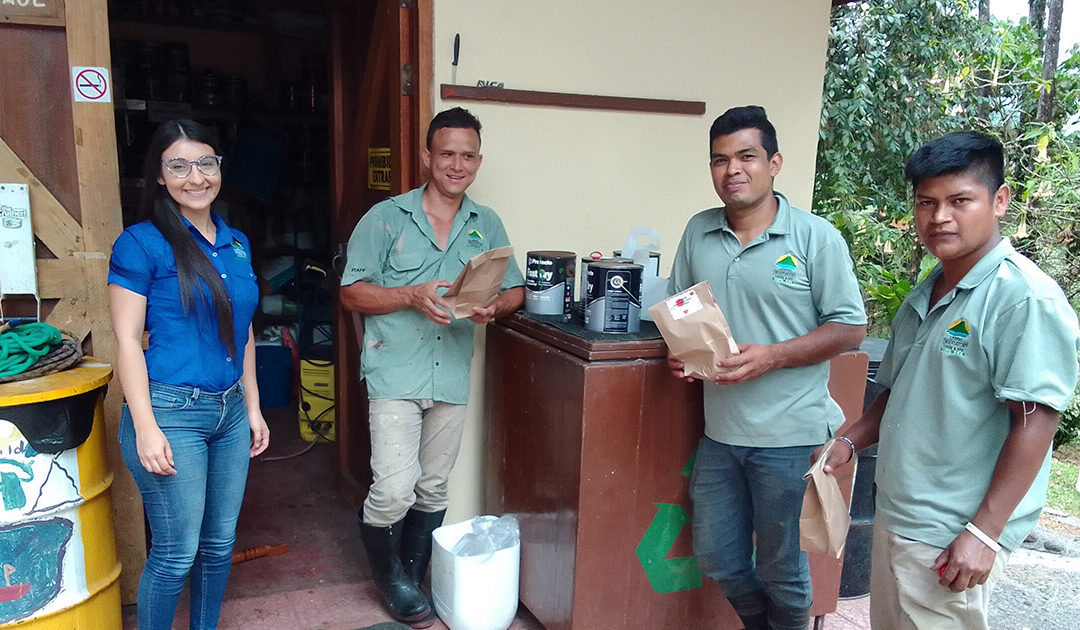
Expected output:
(955, 341)
(476, 240)
(786, 270)
(238, 250)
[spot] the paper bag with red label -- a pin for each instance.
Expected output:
(695, 330)
(824, 522)
(479, 282)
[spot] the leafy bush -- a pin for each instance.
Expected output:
(901, 72)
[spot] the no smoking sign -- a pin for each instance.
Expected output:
(90, 84)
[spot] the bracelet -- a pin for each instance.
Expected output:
(983, 538)
(849, 443)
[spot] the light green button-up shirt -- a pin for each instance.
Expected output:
(406, 355)
(1006, 332)
(788, 281)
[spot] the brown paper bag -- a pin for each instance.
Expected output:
(823, 524)
(479, 282)
(695, 330)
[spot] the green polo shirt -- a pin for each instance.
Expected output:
(406, 355)
(794, 277)
(1006, 332)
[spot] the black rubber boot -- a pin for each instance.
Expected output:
(783, 618)
(752, 608)
(399, 594)
(416, 542)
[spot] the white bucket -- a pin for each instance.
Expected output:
(473, 592)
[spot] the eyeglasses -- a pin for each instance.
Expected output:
(180, 168)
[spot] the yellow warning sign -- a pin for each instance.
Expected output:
(378, 173)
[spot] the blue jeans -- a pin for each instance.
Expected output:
(738, 491)
(193, 513)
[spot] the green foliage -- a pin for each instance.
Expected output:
(1061, 493)
(1069, 427)
(901, 72)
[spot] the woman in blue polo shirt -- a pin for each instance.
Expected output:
(191, 419)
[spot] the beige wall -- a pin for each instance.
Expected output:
(579, 179)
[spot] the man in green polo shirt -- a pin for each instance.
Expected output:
(784, 279)
(403, 253)
(981, 361)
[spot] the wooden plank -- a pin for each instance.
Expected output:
(403, 159)
(425, 62)
(71, 315)
(567, 99)
(32, 12)
(61, 278)
(35, 108)
(94, 133)
(53, 226)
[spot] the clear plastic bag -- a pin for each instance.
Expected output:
(489, 534)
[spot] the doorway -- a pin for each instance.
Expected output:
(311, 102)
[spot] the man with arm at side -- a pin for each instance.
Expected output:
(784, 279)
(981, 361)
(416, 358)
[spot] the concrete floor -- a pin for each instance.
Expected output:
(323, 582)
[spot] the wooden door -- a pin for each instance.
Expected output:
(381, 78)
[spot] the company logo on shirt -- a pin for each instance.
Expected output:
(238, 250)
(786, 270)
(955, 340)
(476, 240)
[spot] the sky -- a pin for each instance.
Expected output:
(1070, 18)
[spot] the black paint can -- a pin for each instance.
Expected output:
(613, 296)
(549, 282)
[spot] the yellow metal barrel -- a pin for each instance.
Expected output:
(58, 565)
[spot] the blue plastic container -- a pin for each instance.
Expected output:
(273, 371)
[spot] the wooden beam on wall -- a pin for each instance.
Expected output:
(94, 136)
(425, 85)
(568, 99)
(54, 227)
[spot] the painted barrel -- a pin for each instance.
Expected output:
(549, 282)
(613, 296)
(57, 546)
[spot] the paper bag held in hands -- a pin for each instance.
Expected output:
(824, 522)
(479, 282)
(695, 330)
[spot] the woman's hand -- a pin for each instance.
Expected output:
(260, 433)
(154, 452)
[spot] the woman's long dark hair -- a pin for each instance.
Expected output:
(158, 206)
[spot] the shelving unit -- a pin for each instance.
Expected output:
(257, 71)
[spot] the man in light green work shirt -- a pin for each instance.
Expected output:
(981, 361)
(784, 280)
(415, 357)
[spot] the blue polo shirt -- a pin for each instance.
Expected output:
(185, 349)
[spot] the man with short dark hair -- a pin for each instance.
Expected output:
(416, 359)
(981, 361)
(784, 279)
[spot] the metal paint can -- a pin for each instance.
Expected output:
(652, 269)
(613, 296)
(549, 282)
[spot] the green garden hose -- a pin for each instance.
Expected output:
(21, 346)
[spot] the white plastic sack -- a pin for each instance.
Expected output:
(476, 586)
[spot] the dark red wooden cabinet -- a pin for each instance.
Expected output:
(589, 445)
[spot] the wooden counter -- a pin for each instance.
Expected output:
(590, 443)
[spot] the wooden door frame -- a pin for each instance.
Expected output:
(398, 68)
